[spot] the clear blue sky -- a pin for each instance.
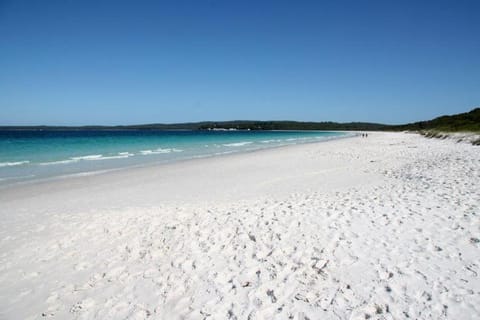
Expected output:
(118, 62)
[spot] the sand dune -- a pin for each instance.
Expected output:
(380, 228)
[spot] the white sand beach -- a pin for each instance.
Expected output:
(386, 227)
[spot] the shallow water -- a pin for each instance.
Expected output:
(32, 155)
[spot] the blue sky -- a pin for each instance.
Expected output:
(124, 62)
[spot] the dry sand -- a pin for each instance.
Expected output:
(386, 227)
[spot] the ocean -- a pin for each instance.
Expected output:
(44, 154)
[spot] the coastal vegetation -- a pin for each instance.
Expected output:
(449, 127)
(463, 122)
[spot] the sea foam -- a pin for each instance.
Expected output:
(159, 151)
(237, 144)
(89, 157)
(58, 162)
(10, 164)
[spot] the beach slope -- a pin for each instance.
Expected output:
(384, 227)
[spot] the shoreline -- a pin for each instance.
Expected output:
(32, 179)
(141, 168)
(382, 228)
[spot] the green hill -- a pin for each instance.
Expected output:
(468, 121)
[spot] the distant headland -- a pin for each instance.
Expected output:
(468, 121)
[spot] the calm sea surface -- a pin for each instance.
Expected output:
(34, 155)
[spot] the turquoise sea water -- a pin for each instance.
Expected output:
(34, 155)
